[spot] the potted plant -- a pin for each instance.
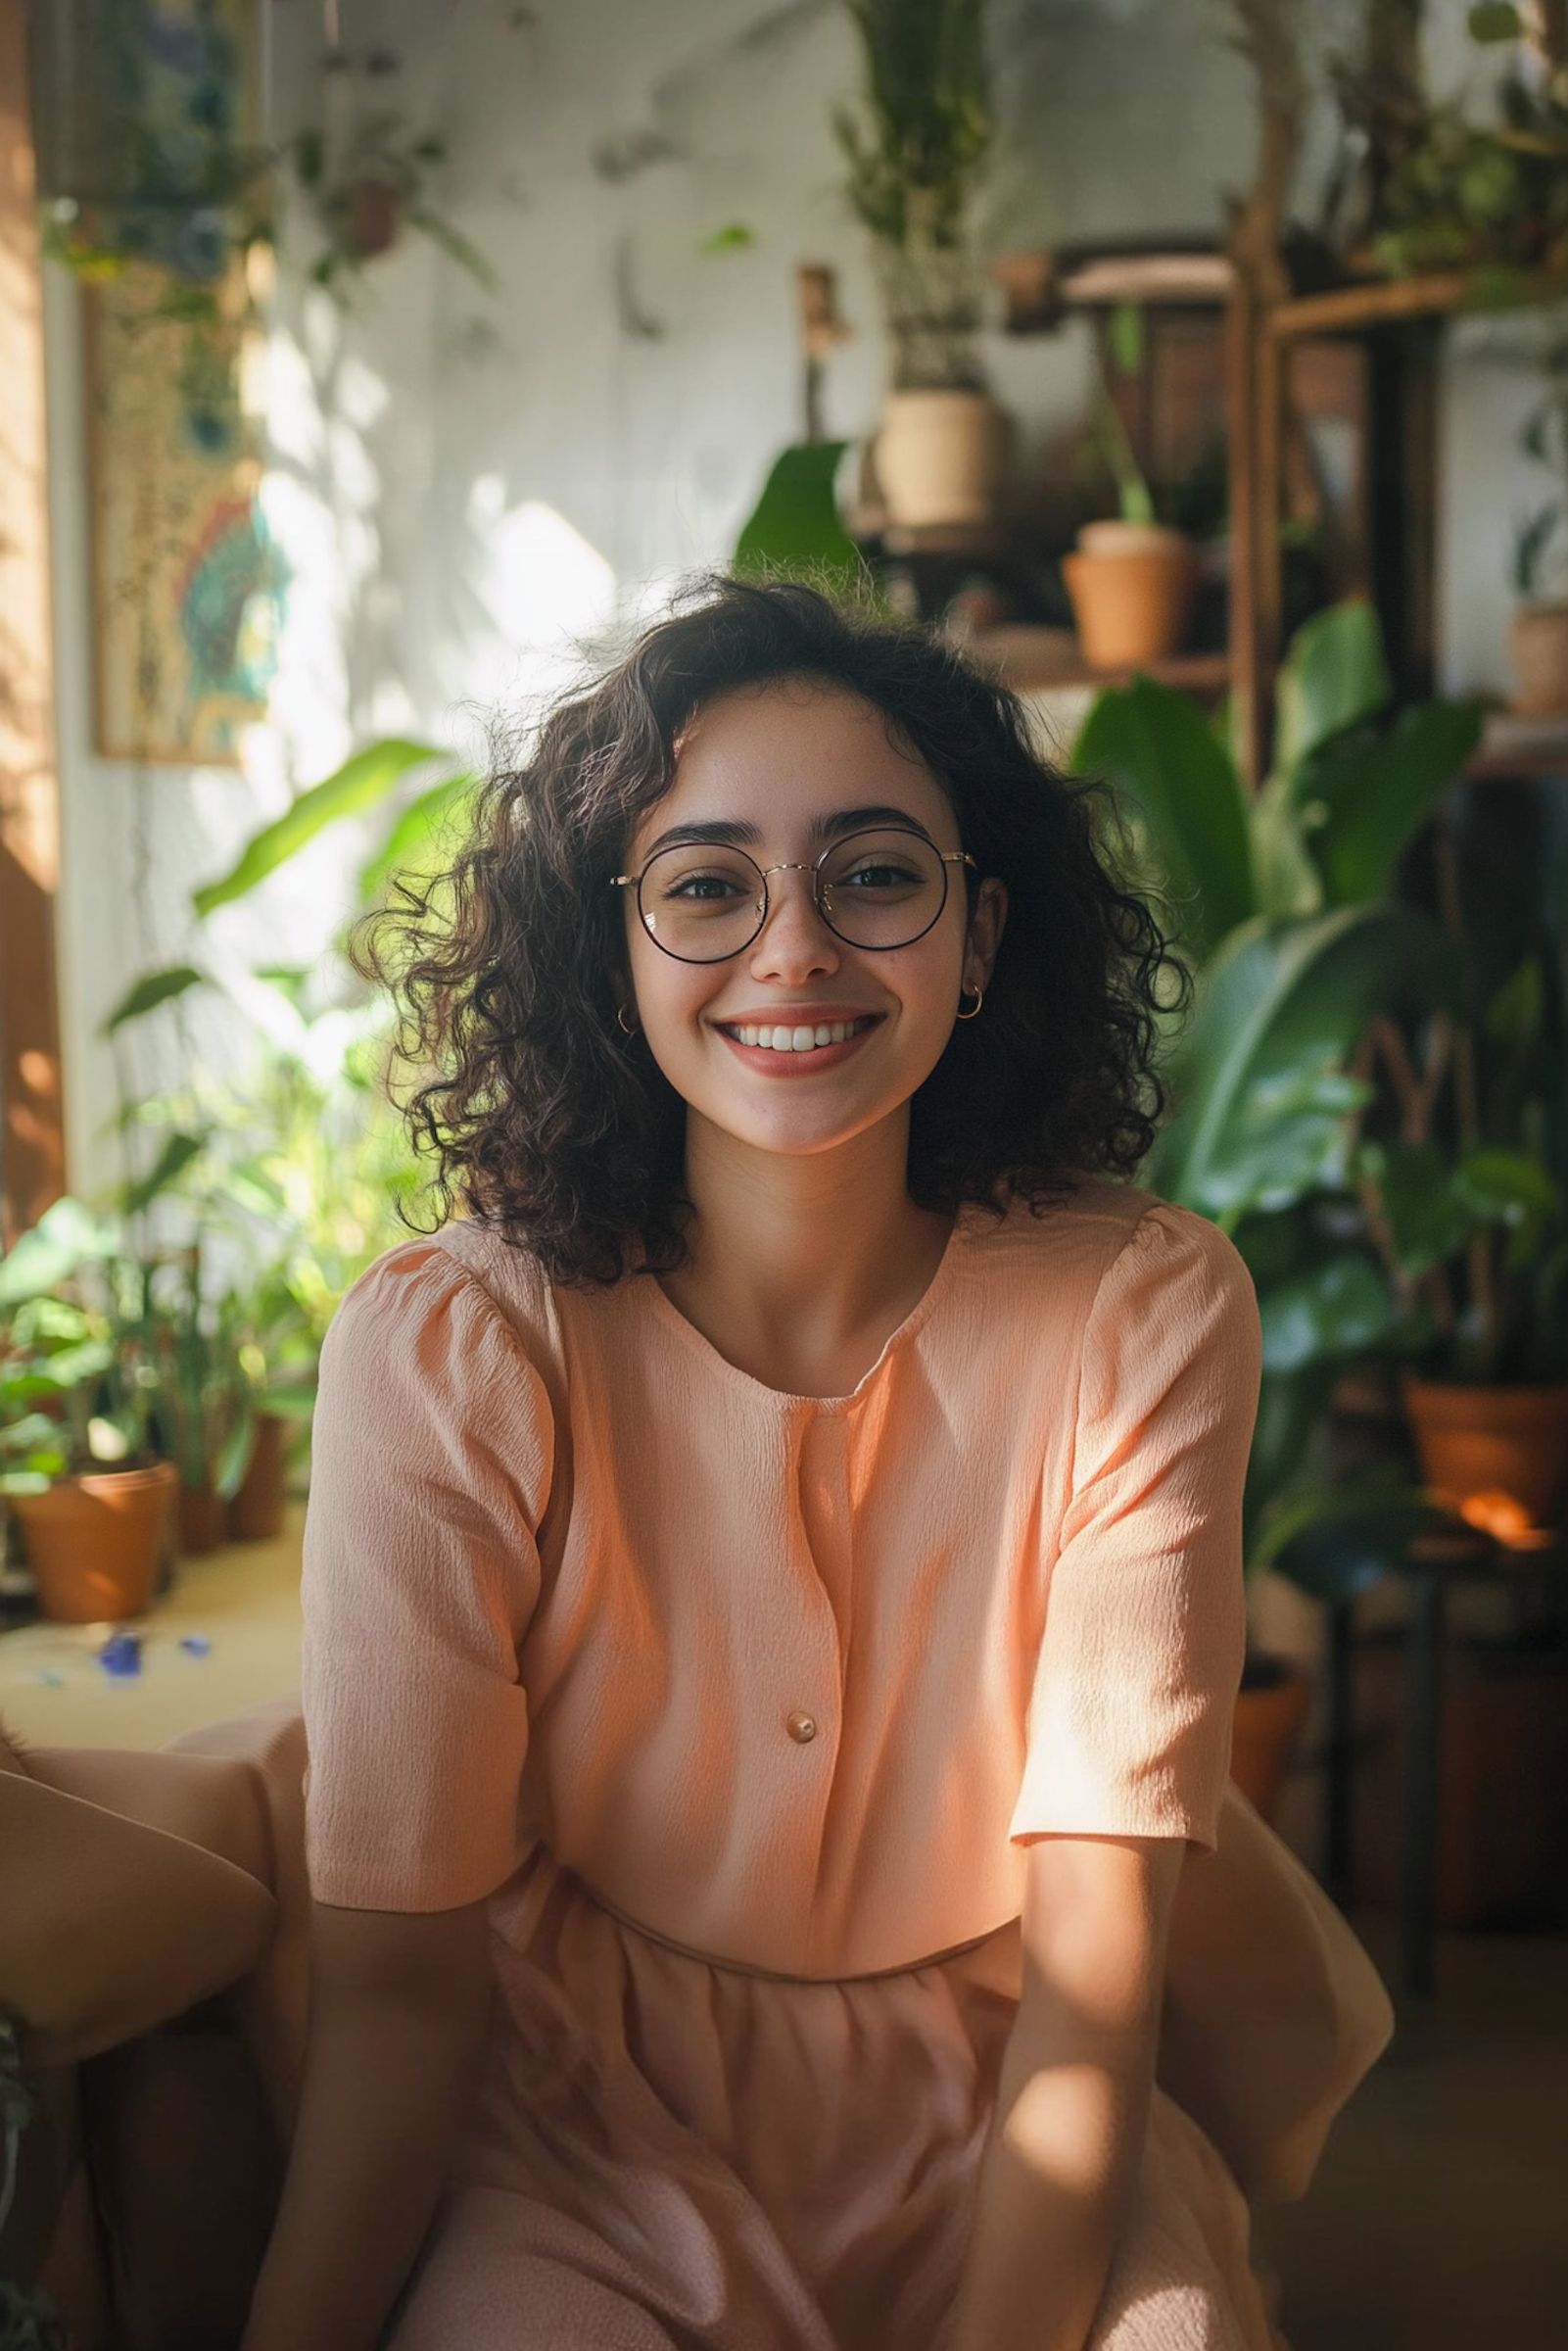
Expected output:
(915, 146)
(1473, 1228)
(79, 1465)
(1131, 579)
(1283, 902)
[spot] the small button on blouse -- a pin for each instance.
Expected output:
(801, 1727)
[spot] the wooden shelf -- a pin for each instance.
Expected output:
(1386, 302)
(1035, 668)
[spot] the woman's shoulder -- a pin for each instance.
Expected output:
(466, 1271)
(1104, 1232)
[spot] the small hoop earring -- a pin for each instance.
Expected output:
(620, 1023)
(979, 998)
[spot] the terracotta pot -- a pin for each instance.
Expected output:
(939, 457)
(93, 1543)
(1541, 660)
(256, 1512)
(200, 1520)
(1505, 1440)
(1132, 586)
(1270, 1720)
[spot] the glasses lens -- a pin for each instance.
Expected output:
(882, 888)
(701, 905)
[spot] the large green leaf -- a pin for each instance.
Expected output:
(1329, 1313)
(420, 832)
(795, 531)
(170, 1164)
(51, 1250)
(1157, 749)
(363, 781)
(1363, 801)
(151, 990)
(1286, 881)
(1333, 674)
(1426, 1222)
(1277, 1001)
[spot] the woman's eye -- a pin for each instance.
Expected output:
(693, 885)
(879, 876)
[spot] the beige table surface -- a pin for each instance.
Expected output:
(245, 1598)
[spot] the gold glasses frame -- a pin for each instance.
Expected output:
(947, 856)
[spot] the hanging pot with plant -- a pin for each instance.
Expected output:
(915, 146)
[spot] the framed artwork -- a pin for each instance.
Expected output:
(186, 585)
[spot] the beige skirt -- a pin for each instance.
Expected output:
(668, 2150)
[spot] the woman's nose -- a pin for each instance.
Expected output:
(793, 924)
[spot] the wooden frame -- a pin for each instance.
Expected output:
(32, 1156)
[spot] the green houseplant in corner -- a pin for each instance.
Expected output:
(1283, 903)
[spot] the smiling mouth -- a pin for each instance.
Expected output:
(798, 1038)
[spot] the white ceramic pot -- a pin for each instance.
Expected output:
(939, 457)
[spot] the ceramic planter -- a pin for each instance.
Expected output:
(1132, 587)
(1541, 660)
(1509, 1440)
(256, 1512)
(940, 457)
(94, 1543)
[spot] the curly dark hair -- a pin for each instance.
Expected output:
(544, 1119)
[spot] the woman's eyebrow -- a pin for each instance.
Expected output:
(724, 832)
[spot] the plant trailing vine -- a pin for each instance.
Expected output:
(174, 182)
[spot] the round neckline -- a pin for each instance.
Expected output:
(783, 1397)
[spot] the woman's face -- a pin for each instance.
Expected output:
(780, 767)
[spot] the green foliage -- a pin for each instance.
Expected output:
(1489, 197)
(1283, 902)
(918, 138)
(917, 142)
(361, 782)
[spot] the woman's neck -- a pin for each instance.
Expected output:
(802, 1267)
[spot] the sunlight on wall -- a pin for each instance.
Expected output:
(543, 591)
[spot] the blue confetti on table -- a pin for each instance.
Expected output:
(122, 1655)
(197, 1645)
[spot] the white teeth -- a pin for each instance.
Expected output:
(798, 1039)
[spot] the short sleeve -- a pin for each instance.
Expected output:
(431, 1461)
(1135, 1686)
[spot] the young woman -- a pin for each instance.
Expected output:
(773, 1586)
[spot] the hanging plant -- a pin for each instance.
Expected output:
(373, 190)
(145, 166)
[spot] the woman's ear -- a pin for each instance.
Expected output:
(986, 925)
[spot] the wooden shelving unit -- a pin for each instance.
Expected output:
(1360, 358)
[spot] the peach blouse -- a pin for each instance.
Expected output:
(790, 1680)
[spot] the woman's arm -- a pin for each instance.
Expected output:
(399, 2004)
(1073, 2100)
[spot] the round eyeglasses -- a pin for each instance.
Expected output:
(881, 888)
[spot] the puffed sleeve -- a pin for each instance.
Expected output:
(1135, 1683)
(431, 1461)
